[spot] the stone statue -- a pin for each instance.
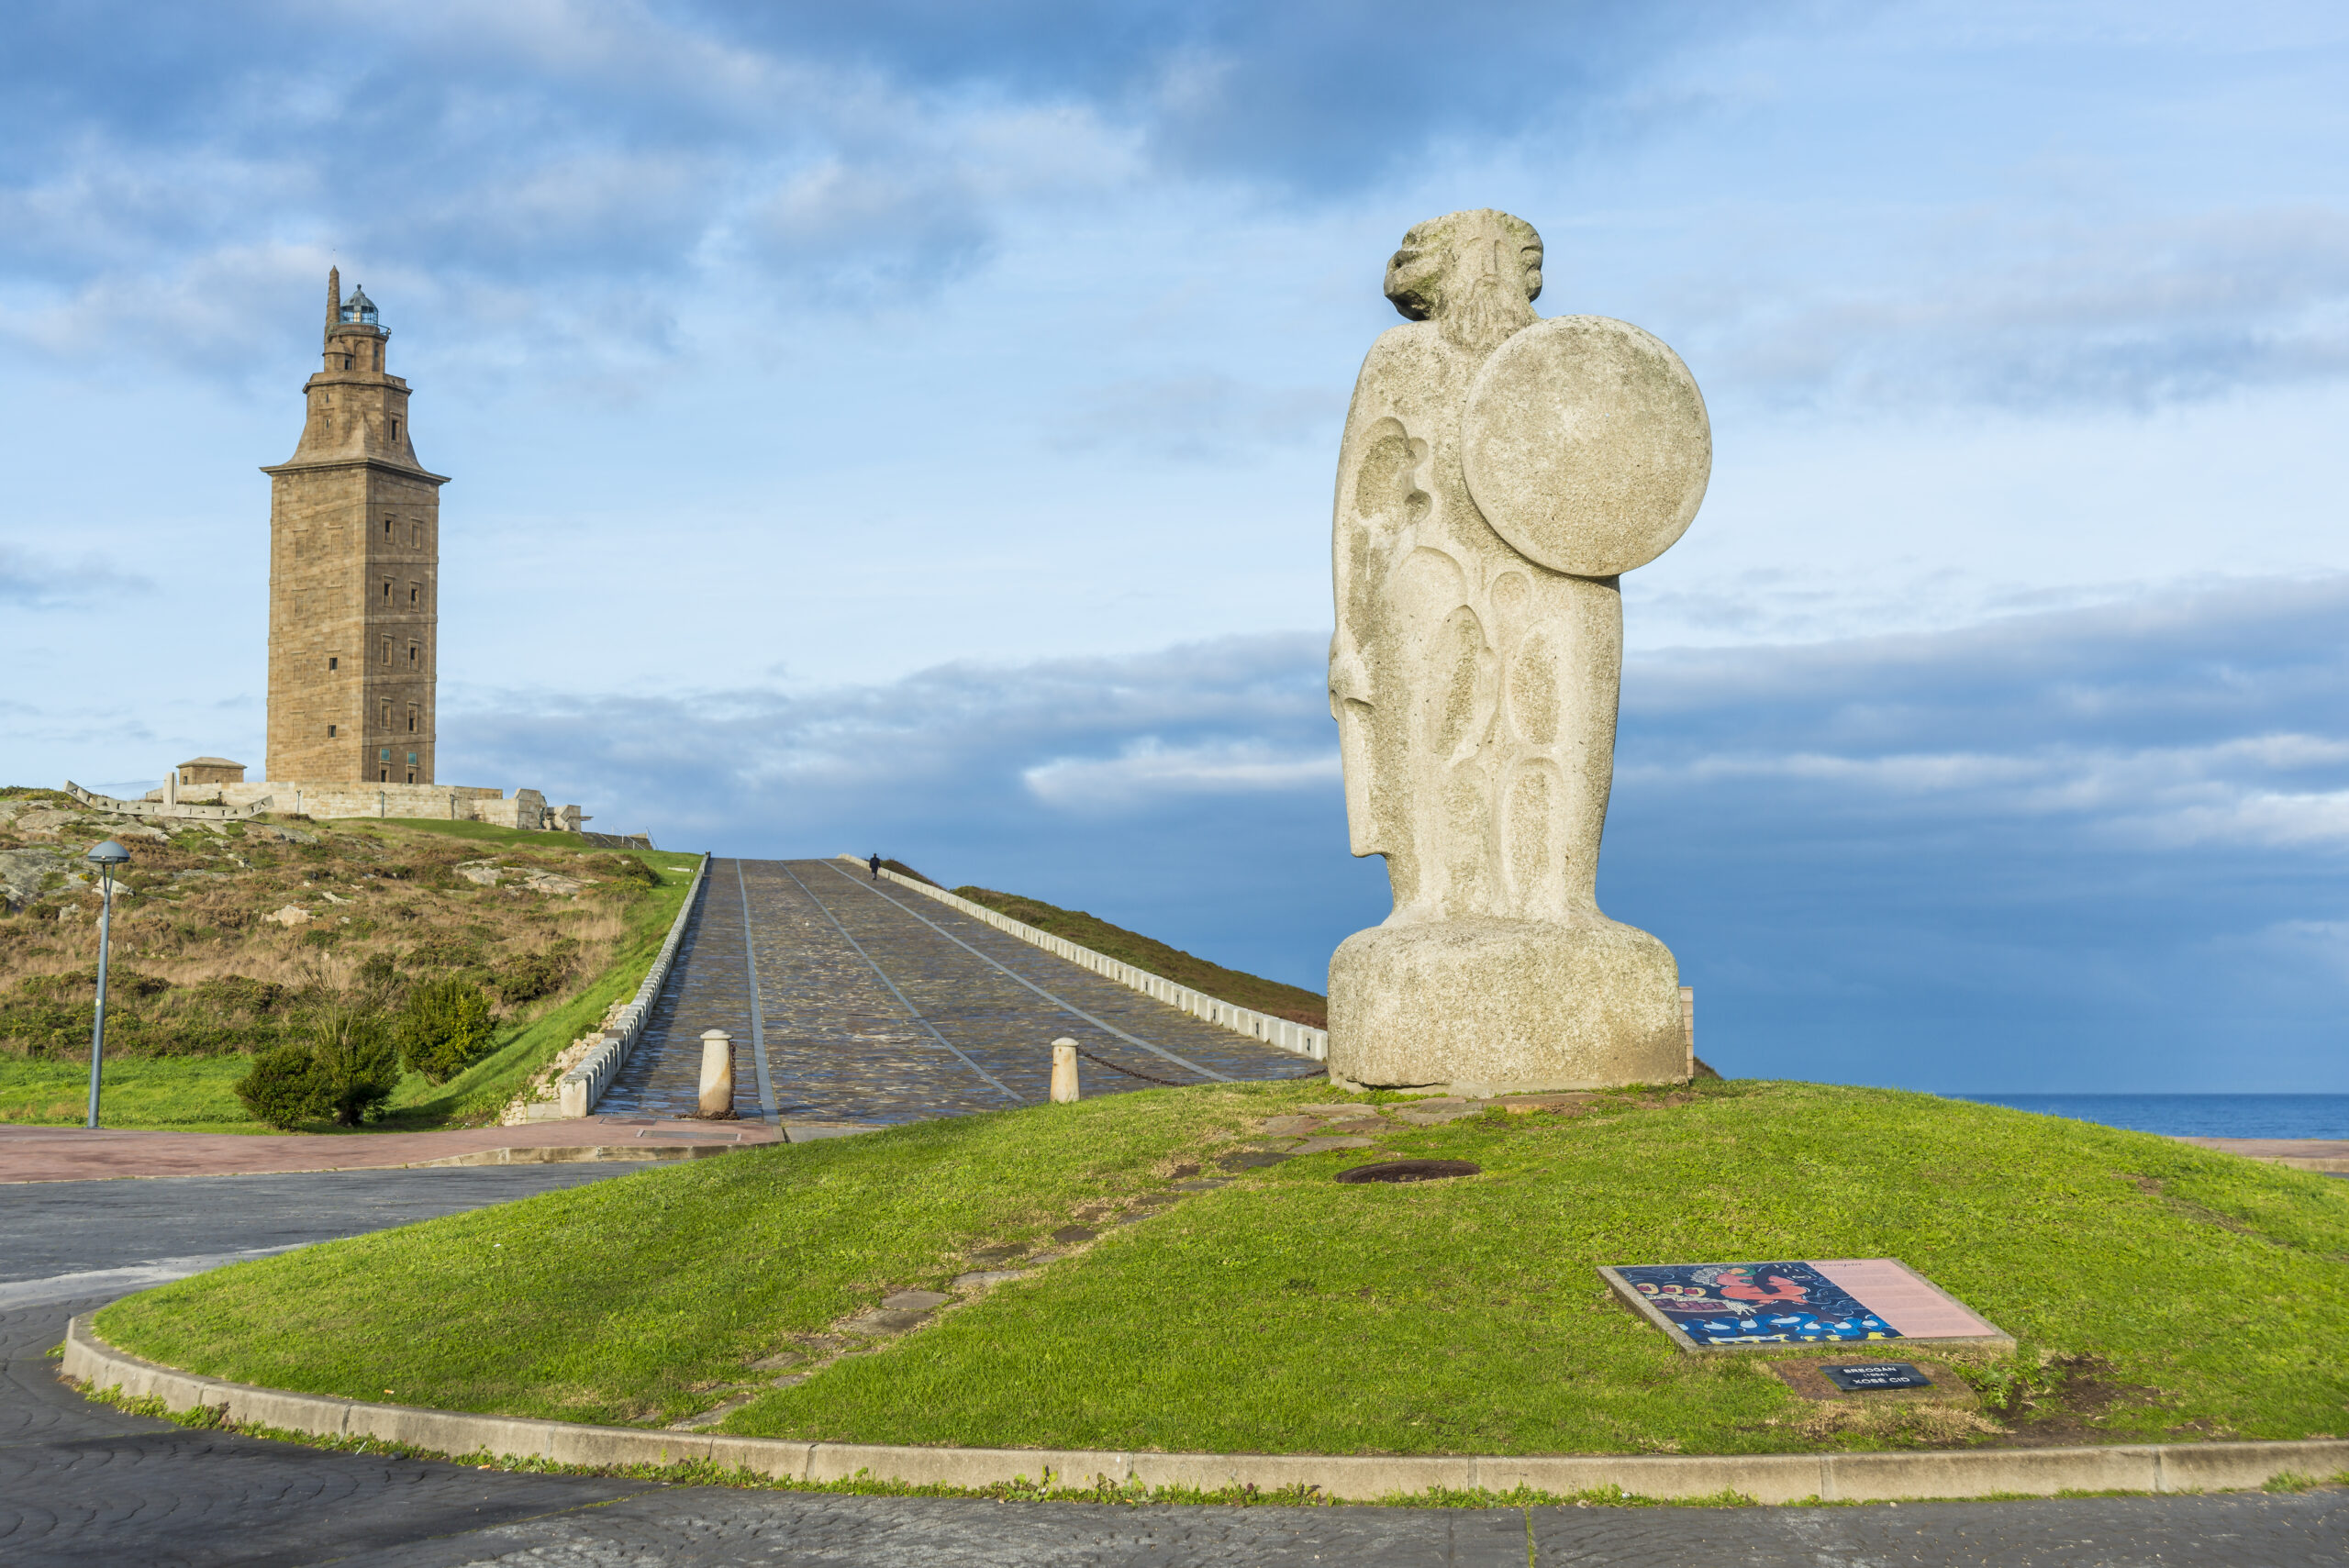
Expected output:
(1498, 472)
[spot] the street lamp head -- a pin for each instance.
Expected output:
(108, 855)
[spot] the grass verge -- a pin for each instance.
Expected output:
(2160, 1290)
(1233, 986)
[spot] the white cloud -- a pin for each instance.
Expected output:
(1149, 769)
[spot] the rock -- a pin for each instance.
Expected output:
(1437, 1115)
(143, 832)
(979, 1279)
(1496, 474)
(1322, 1145)
(1072, 1235)
(23, 871)
(915, 1300)
(1526, 1105)
(481, 873)
(1254, 1161)
(550, 882)
(292, 915)
(1289, 1126)
(43, 820)
(271, 830)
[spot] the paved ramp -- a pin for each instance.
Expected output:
(855, 1001)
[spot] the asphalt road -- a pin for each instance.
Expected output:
(81, 1483)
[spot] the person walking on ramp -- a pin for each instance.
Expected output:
(876, 863)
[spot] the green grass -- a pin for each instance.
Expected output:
(2160, 1290)
(1232, 985)
(180, 1094)
(490, 833)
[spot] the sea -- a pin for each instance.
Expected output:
(2194, 1116)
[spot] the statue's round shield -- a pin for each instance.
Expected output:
(1586, 445)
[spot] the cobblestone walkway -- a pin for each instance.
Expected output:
(855, 1001)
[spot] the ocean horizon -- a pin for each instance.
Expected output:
(2193, 1116)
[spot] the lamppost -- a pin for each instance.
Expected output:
(106, 857)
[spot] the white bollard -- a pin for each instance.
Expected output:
(1063, 1071)
(717, 1073)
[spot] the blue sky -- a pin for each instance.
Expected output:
(912, 425)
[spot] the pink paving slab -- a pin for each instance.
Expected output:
(1902, 1297)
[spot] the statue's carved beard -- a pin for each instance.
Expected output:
(1482, 315)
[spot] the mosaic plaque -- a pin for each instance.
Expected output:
(1719, 1306)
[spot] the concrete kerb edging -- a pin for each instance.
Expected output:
(1285, 1034)
(1764, 1478)
(578, 1090)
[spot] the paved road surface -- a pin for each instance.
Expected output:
(81, 1483)
(876, 1003)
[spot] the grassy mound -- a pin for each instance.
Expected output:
(2159, 1290)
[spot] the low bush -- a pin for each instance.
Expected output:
(528, 976)
(281, 1086)
(629, 868)
(344, 1066)
(445, 1028)
(358, 1064)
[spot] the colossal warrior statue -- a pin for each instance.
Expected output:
(1498, 473)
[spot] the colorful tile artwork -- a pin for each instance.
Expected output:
(1791, 1303)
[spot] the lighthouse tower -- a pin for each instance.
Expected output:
(354, 558)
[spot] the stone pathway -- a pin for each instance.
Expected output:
(852, 1001)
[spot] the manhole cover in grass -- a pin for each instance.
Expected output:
(1411, 1170)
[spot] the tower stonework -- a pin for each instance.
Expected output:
(354, 558)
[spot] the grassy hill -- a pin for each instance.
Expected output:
(207, 969)
(1292, 1002)
(2158, 1290)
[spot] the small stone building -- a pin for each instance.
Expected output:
(210, 771)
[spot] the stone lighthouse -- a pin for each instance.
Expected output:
(354, 558)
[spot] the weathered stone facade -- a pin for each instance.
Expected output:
(353, 575)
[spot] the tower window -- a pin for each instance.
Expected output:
(383, 777)
(387, 650)
(388, 528)
(412, 592)
(411, 759)
(333, 662)
(411, 719)
(330, 731)
(411, 652)
(387, 715)
(384, 754)
(396, 428)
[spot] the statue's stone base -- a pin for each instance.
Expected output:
(1482, 1008)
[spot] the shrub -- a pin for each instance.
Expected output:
(282, 1086)
(444, 951)
(241, 994)
(528, 976)
(631, 870)
(445, 1028)
(358, 1066)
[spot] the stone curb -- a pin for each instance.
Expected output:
(1283, 1034)
(1766, 1478)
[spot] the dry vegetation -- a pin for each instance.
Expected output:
(205, 962)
